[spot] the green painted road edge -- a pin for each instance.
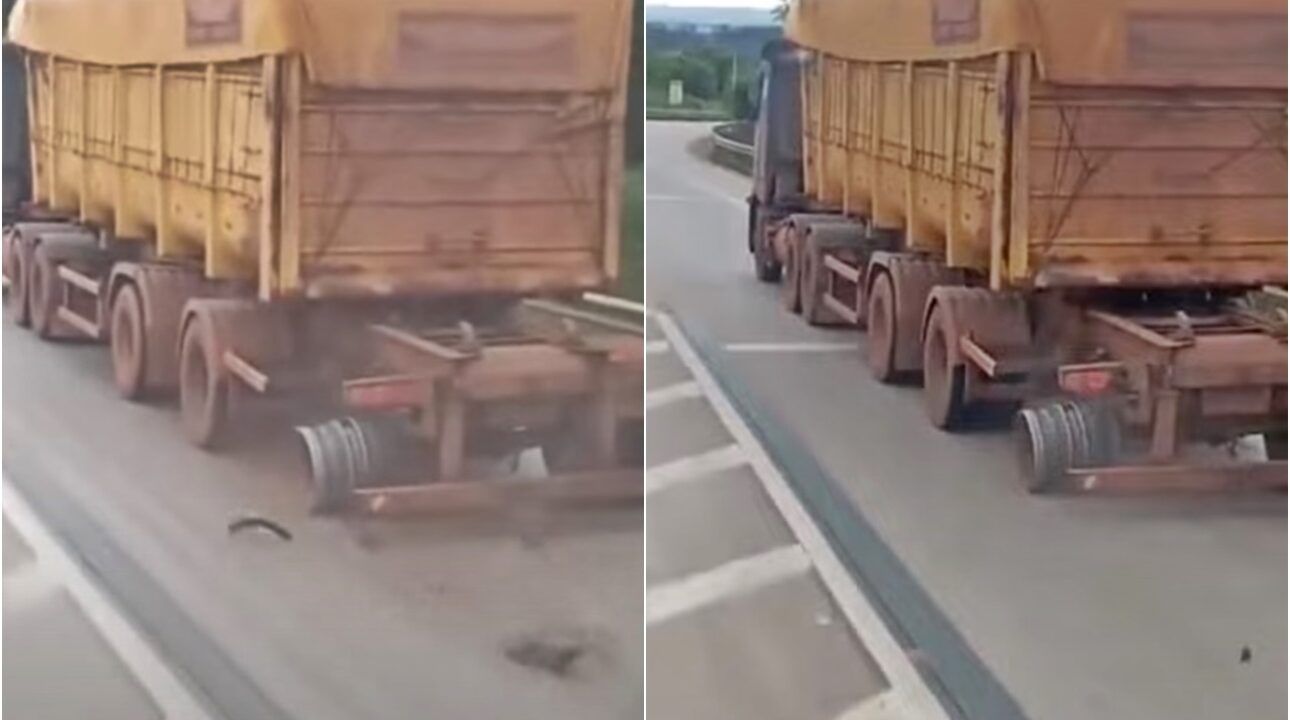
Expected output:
(955, 673)
(219, 684)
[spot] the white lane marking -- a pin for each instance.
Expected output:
(656, 347)
(655, 399)
(732, 579)
(172, 697)
(692, 467)
(675, 198)
(801, 347)
(868, 625)
(704, 189)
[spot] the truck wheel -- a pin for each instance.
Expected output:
(1275, 445)
(128, 342)
(944, 374)
(790, 289)
(1043, 447)
(815, 285)
(765, 264)
(43, 287)
(203, 385)
(880, 344)
(768, 268)
(19, 263)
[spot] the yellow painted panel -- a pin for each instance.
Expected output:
(1217, 43)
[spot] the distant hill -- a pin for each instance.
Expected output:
(709, 16)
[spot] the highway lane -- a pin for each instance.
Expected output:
(751, 615)
(351, 618)
(1081, 607)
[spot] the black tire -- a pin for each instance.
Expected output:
(815, 285)
(128, 341)
(880, 339)
(1275, 443)
(790, 288)
(944, 375)
(43, 291)
(203, 387)
(19, 262)
(765, 264)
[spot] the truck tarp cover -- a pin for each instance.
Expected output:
(1161, 43)
(510, 45)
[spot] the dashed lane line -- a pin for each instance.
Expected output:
(693, 467)
(728, 580)
(655, 399)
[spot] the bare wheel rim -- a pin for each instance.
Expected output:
(879, 340)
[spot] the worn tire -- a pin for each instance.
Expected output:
(944, 374)
(19, 263)
(43, 294)
(814, 285)
(1275, 445)
(203, 385)
(765, 265)
(128, 343)
(790, 288)
(880, 341)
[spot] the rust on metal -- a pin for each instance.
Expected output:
(1149, 479)
(465, 496)
(86, 327)
(79, 280)
(246, 372)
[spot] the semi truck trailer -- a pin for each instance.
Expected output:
(1075, 210)
(395, 207)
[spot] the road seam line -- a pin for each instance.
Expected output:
(172, 696)
(901, 674)
(692, 467)
(728, 580)
(656, 399)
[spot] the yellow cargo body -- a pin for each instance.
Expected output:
(333, 148)
(1136, 143)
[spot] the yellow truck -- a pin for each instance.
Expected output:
(1078, 206)
(396, 204)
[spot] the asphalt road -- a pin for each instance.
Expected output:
(50, 636)
(351, 618)
(1080, 606)
(751, 616)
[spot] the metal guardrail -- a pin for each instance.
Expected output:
(729, 151)
(721, 140)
